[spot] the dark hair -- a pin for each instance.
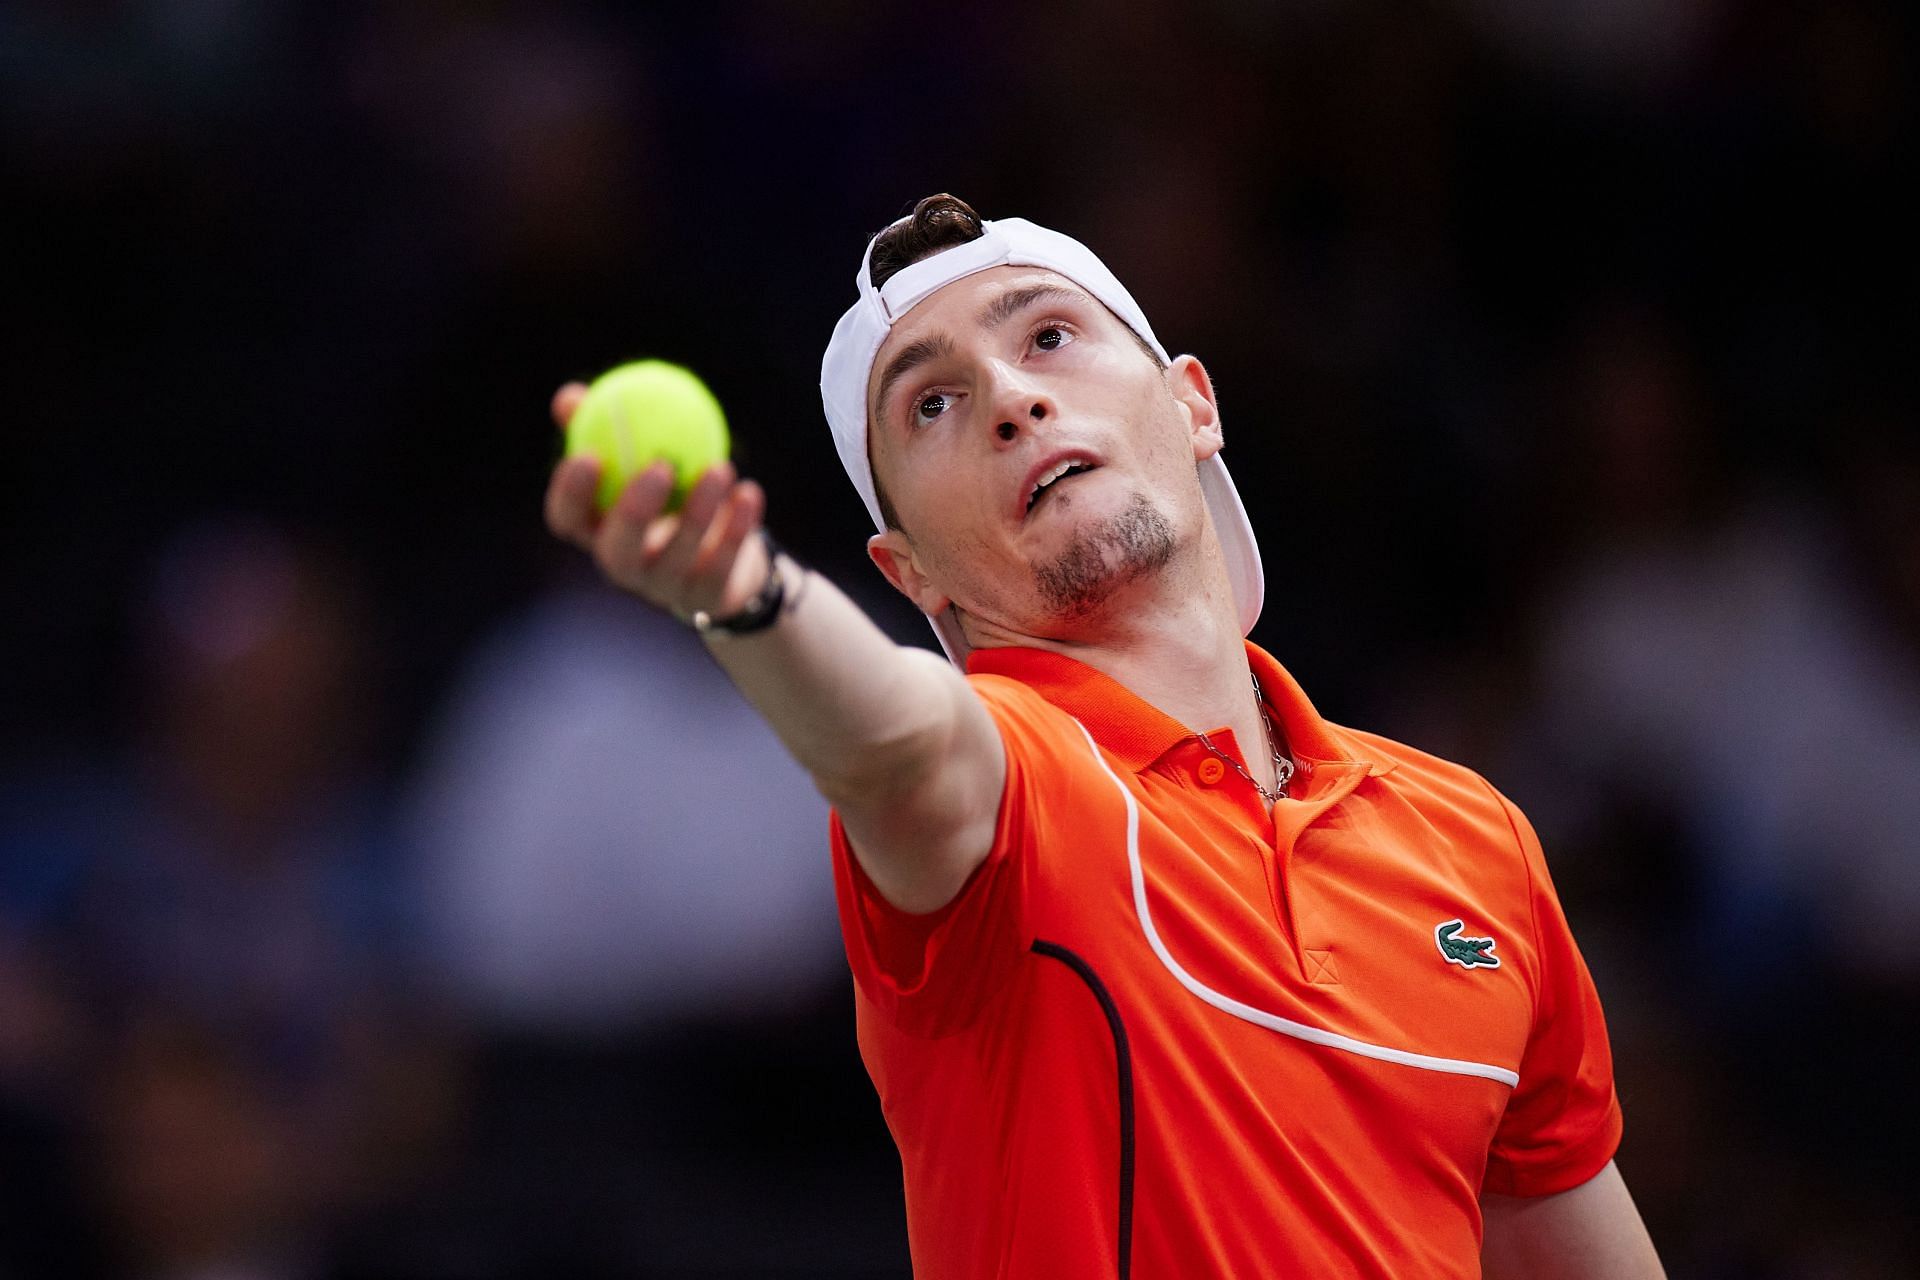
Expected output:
(938, 222)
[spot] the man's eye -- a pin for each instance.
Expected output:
(930, 407)
(1051, 338)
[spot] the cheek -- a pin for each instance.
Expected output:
(947, 506)
(1109, 367)
(957, 525)
(1153, 427)
(1120, 385)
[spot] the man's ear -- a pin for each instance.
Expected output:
(893, 555)
(1193, 391)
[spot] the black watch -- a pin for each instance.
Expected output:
(760, 610)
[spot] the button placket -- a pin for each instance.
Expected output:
(1290, 820)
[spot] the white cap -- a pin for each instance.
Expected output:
(1010, 242)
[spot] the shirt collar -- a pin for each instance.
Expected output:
(1139, 733)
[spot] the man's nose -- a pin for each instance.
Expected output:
(1018, 405)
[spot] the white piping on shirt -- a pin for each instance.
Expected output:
(1246, 1012)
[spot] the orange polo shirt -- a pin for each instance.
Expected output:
(1166, 1033)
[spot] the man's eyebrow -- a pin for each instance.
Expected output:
(909, 358)
(992, 316)
(1013, 301)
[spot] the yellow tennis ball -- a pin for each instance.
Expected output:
(636, 414)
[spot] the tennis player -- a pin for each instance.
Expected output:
(1159, 973)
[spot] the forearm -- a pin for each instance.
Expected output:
(893, 736)
(857, 710)
(873, 721)
(1591, 1232)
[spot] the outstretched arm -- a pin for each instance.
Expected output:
(894, 737)
(1590, 1232)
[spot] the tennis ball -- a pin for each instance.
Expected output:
(634, 415)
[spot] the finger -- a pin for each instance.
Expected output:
(696, 521)
(750, 493)
(738, 520)
(748, 571)
(565, 401)
(570, 500)
(738, 517)
(622, 543)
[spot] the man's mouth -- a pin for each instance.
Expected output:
(1045, 482)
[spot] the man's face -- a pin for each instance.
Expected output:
(978, 399)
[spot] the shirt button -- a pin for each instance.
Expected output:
(1211, 771)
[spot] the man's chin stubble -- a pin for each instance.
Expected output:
(1124, 548)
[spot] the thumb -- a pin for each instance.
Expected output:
(566, 401)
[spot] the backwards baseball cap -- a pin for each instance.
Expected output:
(1009, 242)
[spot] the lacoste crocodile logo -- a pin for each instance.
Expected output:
(1468, 953)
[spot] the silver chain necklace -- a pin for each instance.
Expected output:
(1282, 767)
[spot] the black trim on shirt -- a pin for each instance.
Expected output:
(1124, 1058)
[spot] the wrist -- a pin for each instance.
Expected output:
(761, 610)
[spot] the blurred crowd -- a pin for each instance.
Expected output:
(381, 895)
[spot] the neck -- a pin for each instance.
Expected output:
(1174, 641)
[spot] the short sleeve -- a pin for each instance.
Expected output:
(932, 975)
(1563, 1122)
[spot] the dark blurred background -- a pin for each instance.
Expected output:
(380, 896)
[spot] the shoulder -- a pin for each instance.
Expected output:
(1429, 778)
(1451, 804)
(1051, 754)
(1006, 690)
(1024, 714)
